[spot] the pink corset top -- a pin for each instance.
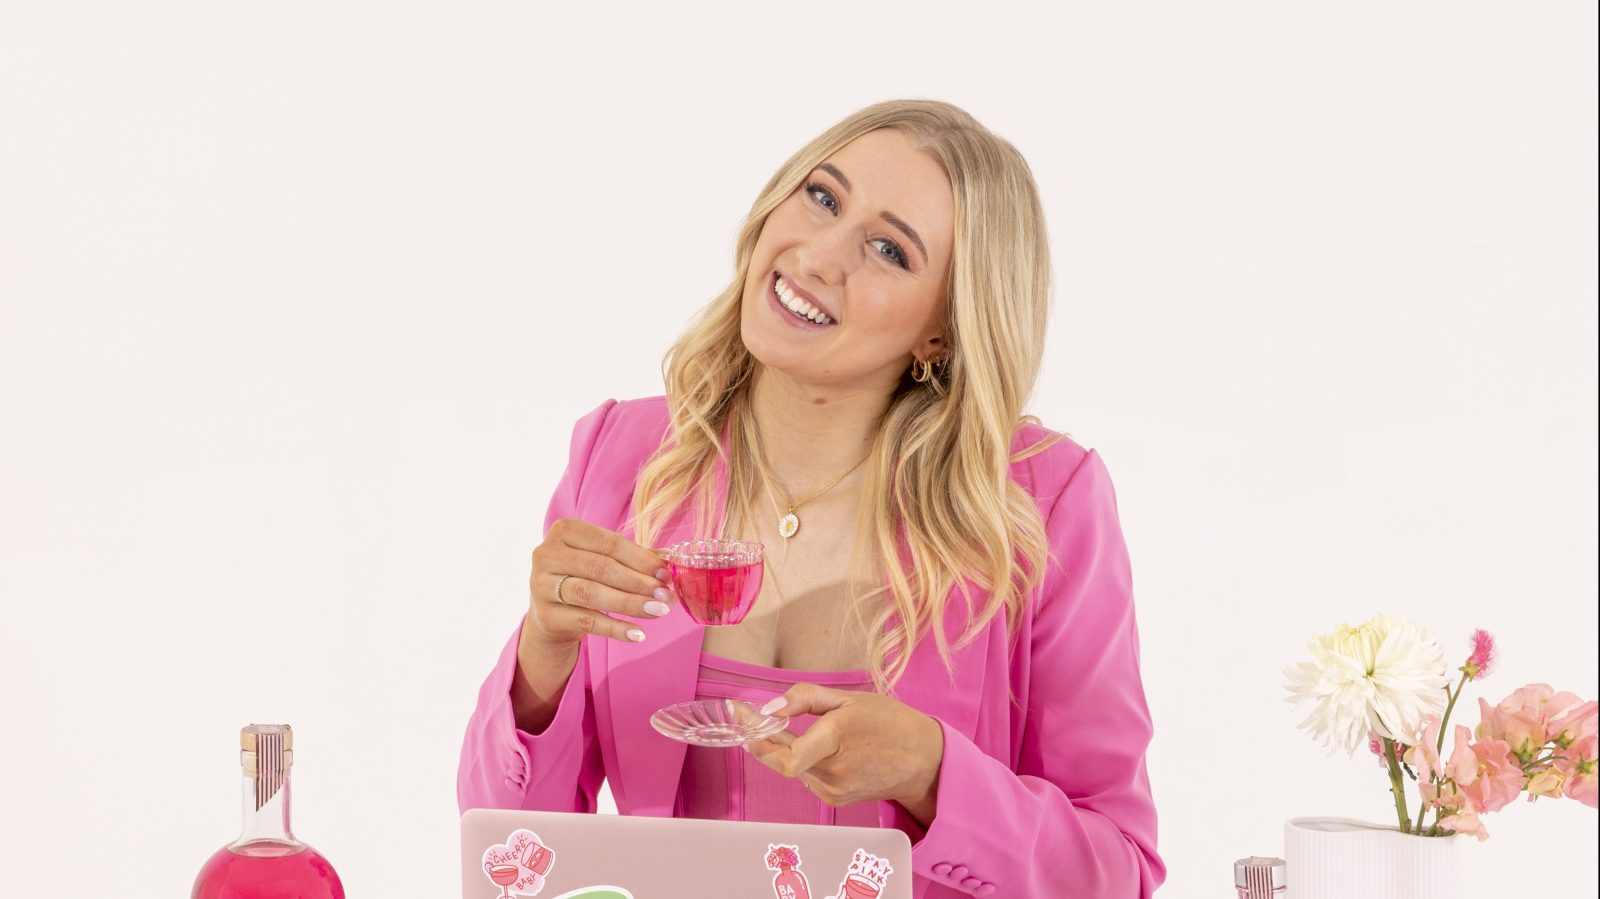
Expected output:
(731, 784)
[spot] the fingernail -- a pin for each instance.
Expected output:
(773, 706)
(635, 634)
(657, 608)
(661, 594)
(661, 575)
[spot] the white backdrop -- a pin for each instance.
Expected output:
(299, 302)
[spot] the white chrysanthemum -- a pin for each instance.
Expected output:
(1385, 676)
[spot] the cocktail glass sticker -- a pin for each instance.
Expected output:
(788, 883)
(866, 877)
(519, 865)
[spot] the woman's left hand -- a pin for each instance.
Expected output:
(863, 746)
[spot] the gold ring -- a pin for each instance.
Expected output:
(559, 581)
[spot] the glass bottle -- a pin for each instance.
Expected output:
(1260, 878)
(266, 861)
(788, 882)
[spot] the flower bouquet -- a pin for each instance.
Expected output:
(1384, 684)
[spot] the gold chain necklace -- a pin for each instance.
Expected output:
(789, 522)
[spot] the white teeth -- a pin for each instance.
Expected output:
(797, 305)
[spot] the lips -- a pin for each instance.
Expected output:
(804, 294)
(791, 319)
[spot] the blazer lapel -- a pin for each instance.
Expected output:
(652, 675)
(958, 697)
(954, 696)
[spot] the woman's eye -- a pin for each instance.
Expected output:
(896, 254)
(815, 189)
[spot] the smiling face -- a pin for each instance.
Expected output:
(862, 248)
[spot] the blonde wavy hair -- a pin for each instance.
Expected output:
(938, 467)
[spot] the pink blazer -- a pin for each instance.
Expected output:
(1048, 797)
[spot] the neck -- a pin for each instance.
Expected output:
(269, 823)
(812, 434)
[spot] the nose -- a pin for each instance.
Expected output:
(830, 254)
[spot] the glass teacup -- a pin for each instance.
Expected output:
(717, 581)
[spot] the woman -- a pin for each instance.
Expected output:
(854, 397)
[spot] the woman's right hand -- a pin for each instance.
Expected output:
(610, 575)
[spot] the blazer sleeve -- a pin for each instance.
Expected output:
(1075, 817)
(560, 768)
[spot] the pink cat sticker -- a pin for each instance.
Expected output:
(519, 865)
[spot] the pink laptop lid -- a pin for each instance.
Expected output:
(507, 854)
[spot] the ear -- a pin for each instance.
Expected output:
(931, 349)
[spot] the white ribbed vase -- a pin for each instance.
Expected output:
(1340, 858)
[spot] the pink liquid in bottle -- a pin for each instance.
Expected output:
(718, 595)
(229, 874)
(266, 861)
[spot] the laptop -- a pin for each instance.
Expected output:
(509, 854)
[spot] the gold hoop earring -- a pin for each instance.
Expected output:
(925, 372)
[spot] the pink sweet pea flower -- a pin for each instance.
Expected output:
(1424, 758)
(1522, 719)
(1466, 820)
(1448, 802)
(1576, 724)
(1463, 764)
(1547, 782)
(1582, 788)
(1484, 772)
(1482, 660)
(1580, 764)
(1540, 702)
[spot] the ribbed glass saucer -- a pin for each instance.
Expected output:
(716, 722)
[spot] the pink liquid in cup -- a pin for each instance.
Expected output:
(717, 580)
(503, 876)
(858, 887)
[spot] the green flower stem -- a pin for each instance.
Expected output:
(1444, 728)
(1397, 785)
(1450, 707)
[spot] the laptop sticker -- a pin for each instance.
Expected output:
(600, 892)
(788, 883)
(866, 878)
(519, 865)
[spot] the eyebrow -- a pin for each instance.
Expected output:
(889, 217)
